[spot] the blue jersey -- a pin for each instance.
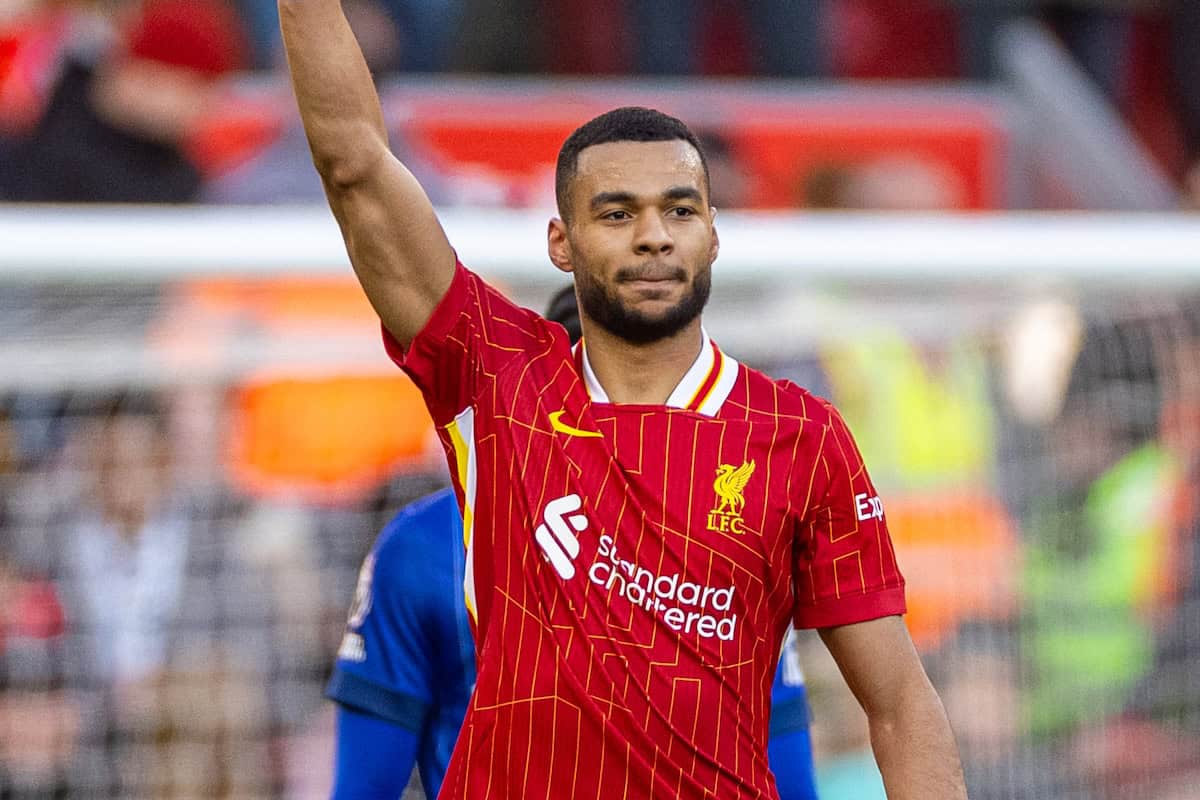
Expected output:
(407, 656)
(408, 659)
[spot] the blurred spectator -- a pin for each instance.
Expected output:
(260, 20)
(893, 39)
(116, 122)
(195, 627)
(31, 35)
(283, 172)
(508, 36)
(128, 543)
(1154, 742)
(1191, 187)
(425, 33)
(1097, 32)
(429, 32)
(39, 721)
(372, 21)
(784, 38)
(1097, 538)
(582, 38)
(921, 409)
(1185, 53)
(39, 717)
(896, 182)
(200, 730)
(731, 184)
(979, 681)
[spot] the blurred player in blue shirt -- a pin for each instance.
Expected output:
(406, 666)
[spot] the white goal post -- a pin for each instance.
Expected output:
(55, 244)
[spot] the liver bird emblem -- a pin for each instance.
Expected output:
(730, 484)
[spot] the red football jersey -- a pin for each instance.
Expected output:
(632, 569)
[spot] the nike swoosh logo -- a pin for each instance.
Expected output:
(562, 427)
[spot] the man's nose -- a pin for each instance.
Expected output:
(653, 237)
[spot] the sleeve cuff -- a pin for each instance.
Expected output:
(354, 691)
(857, 608)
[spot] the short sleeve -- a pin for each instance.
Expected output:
(474, 332)
(845, 567)
(383, 666)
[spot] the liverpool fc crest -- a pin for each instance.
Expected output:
(730, 487)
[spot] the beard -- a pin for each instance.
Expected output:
(604, 307)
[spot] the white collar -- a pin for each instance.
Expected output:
(703, 388)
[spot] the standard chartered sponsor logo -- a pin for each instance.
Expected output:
(685, 606)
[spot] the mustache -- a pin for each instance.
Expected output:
(650, 272)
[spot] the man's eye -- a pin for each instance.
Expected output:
(682, 211)
(617, 215)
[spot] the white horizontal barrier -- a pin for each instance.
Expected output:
(134, 243)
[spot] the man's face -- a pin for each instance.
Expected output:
(640, 240)
(132, 466)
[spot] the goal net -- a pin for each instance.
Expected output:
(200, 437)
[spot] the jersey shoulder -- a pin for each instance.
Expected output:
(759, 396)
(508, 324)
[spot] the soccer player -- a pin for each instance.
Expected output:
(644, 517)
(407, 663)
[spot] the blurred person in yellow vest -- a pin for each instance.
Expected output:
(924, 415)
(1140, 705)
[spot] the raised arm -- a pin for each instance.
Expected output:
(910, 734)
(396, 244)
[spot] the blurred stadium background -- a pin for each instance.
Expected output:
(196, 366)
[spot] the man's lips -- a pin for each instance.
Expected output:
(651, 281)
(652, 275)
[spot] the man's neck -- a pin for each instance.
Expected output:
(643, 374)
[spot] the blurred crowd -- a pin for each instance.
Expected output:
(162, 635)
(98, 97)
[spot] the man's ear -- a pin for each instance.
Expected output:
(558, 245)
(715, 247)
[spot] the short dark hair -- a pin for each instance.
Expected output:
(625, 124)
